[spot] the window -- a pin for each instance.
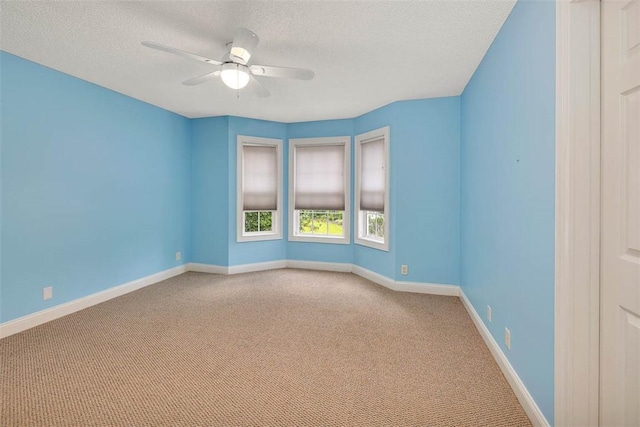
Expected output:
(319, 175)
(372, 189)
(259, 183)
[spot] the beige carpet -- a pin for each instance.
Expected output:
(277, 348)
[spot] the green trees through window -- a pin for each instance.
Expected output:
(257, 221)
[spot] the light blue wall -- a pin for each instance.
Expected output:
(426, 168)
(95, 188)
(261, 251)
(507, 192)
(209, 191)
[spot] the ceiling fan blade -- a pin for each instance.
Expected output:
(243, 44)
(201, 79)
(182, 53)
(260, 89)
(284, 72)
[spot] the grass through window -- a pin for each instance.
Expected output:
(326, 223)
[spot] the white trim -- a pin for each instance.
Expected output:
(278, 213)
(207, 268)
(359, 139)
(400, 286)
(374, 277)
(346, 218)
(38, 318)
(528, 404)
(322, 266)
(335, 240)
(577, 246)
(428, 288)
(258, 266)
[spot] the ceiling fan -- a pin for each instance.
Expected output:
(234, 68)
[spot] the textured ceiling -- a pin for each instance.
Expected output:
(365, 53)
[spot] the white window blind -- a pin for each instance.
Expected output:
(373, 175)
(259, 178)
(319, 177)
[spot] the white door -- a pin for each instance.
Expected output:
(620, 286)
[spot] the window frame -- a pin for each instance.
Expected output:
(277, 215)
(359, 217)
(346, 216)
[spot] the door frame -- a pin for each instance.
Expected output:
(577, 237)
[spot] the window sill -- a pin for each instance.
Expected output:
(374, 244)
(259, 237)
(320, 239)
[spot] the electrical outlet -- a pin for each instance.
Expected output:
(507, 338)
(404, 269)
(47, 293)
(178, 256)
(489, 313)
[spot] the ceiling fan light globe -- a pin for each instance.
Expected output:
(235, 76)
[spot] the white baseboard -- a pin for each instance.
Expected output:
(374, 277)
(400, 286)
(428, 288)
(323, 266)
(207, 268)
(259, 266)
(38, 318)
(235, 269)
(528, 404)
